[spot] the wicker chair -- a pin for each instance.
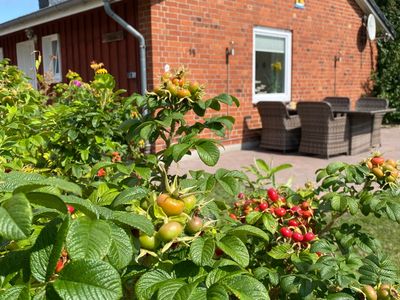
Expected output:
(338, 103)
(321, 132)
(280, 131)
(371, 104)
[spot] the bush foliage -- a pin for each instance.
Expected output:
(126, 228)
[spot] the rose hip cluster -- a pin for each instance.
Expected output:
(294, 220)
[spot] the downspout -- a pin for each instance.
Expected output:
(137, 35)
(142, 52)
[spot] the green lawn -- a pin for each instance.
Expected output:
(385, 231)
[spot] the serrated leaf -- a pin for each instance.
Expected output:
(217, 292)
(89, 280)
(149, 283)
(223, 272)
(130, 194)
(15, 218)
(248, 230)
(121, 250)
(47, 249)
(179, 150)
(83, 205)
(169, 288)
(280, 251)
(17, 292)
(133, 220)
(47, 200)
(235, 248)
(208, 152)
(90, 239)
(270, 223)
(229, 184)
(246, 288)
(202, 251)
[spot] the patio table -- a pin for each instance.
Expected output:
(365, 128)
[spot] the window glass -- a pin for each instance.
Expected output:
(272, 68)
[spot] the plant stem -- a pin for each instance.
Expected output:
(329, 226)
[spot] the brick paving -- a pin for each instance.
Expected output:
(304, 166)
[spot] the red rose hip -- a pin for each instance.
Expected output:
(273, 194)
(286, 232)
(293, 223)
(297, 237)
(263, 206)
(280, 211)
(309, 236)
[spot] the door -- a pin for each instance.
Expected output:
(26, 59)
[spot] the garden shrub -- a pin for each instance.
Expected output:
(142, 233)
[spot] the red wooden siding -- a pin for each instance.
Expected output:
(81, 42)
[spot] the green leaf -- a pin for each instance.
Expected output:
(134, 220)
(262, 165)
(217, 292)
(377, 269)
(88, 238)
(340, 296)
(83, 205)
(168, 289)
(89, 280)
(130, 194)
(17, 292)
(235, 248)
(149, 283)
(270, 223)
(221, 273)
(208, 152)
(179, 150)
(229, 184)
(47, 200)
(47, 249)
(121, 250)
(15, 218)
(202, 251)
(248, 230)
(321, 174)
(14, 261)
(246, 288)
(280, 251)
(335, 166)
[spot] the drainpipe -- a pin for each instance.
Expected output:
(137, 35)
(142, 52)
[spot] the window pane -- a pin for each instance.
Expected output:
(270, 44)
(270, 72)
(54, 52)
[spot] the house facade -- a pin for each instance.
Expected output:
(255, 50)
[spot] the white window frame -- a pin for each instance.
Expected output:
(287, 35)
(1, 53)
(46, 56)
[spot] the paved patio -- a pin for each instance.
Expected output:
(304, 166)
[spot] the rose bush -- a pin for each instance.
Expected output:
(131, 230)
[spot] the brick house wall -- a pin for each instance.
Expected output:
(321, 31)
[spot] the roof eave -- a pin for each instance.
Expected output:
(369, 6)
(48, 14)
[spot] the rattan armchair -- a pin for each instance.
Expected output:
(280, 131)
(321, 132)
(373, 104)
(338, 103)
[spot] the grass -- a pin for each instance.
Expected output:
(384, 230)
